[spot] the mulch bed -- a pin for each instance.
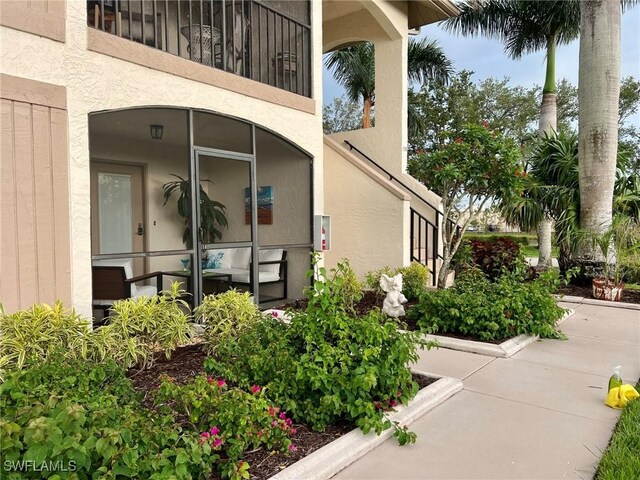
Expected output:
(628, 296)
(188, 362)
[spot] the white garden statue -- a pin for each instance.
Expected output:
(392, 305)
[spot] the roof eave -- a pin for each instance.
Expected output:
(424, 12)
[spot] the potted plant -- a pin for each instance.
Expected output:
(615, 243)
(212, 213)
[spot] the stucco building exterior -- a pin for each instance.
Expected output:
(104, 102)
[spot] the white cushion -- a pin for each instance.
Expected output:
(127, 263)
(143, 291)
(271, 255)
(241, 258)
(241, 275)
(227, 256)
(146, 291)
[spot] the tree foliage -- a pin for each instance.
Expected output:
(512, 110)
(468, 168)
(354, 68)
(342, 115)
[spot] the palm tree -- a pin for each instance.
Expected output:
(525, 27)
(354, 68)
(598, 98)
(554, 189)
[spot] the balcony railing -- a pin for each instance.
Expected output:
(246, 37)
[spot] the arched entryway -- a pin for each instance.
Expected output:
(148, 216)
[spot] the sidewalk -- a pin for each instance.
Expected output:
(537, 415)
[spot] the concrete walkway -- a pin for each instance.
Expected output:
(536, 415)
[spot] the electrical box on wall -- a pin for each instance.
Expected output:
(322, 233)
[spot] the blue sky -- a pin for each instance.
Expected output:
(487, 58)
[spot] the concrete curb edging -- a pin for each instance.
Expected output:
(339, 454)
(600, 303)
(504, 350)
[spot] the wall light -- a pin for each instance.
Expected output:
(156, 131)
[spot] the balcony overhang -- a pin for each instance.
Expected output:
(424, 12)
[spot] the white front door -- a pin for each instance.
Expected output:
(117, 209)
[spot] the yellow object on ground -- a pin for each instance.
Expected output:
(619, 396)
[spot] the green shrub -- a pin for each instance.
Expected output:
(486, 310)
(33, 335)
(414, 279)
(327, 364)
(148, 324)
(372, 279)
(225, 316)
(345, 284)
(630, 269)
(230, 418)
(137, 329)
(88, 418)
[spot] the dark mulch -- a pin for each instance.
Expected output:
(628, 296)
(188, 362)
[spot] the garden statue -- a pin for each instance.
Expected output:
(392, 305)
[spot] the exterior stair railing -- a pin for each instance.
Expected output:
(424, 233)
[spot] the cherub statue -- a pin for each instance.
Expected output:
(392, 305)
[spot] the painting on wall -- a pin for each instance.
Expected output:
(265, 205)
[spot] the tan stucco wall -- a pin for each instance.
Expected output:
(368, 214)
(97, 82)
(385, 25)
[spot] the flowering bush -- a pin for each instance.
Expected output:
(326, 365)
(230, 420)
(87, 418)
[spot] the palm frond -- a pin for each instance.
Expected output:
(426, 61)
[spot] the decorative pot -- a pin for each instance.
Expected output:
(604, 289)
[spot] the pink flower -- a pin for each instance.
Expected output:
(292, 448)
(215, 430)
(288, 421)
(393, 402)
(210, 380)
(205, 435)
(274, 314)
(255, 388)
(272, 412)
(283, 415)
(222, 382)
(292, 431)
(274, 423)
(260, 433)
(217, 442)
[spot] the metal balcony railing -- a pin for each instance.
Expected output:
(244, 37)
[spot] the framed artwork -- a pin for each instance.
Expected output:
(265, 205)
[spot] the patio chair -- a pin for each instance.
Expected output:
(113, 280)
